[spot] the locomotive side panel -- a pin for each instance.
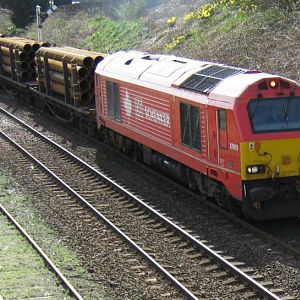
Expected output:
(180, 129)
(139, 109)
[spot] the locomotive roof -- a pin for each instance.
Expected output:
(152, 68)
(183, 74)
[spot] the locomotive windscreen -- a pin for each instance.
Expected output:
(275, 114)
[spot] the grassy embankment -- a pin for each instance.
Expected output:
(22, 208)
(236, 33)
(228, 31)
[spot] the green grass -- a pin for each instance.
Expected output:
(111, 35)
(232, 20)
(6, 26)
(22, 208)
(236, 32)
(23, 272)
(65, 259)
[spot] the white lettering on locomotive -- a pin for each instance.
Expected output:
(127, 104)
(234, 147)
(151, 114)
(139, 107)
(251, 146)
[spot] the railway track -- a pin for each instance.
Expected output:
(19, 289)
(123, 208)
(273, 232)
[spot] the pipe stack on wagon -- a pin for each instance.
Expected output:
(67, 73)
(17, 58)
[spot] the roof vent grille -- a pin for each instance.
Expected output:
(205, 80)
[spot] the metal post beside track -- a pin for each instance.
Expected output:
(38, 23)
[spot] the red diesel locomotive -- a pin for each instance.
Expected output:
(233, 134)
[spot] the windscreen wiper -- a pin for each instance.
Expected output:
(286, 111)
(254, 110)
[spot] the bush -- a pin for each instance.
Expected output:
(23, 12)
(131, 9)
(285, 5)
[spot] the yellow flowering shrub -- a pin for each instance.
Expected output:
(171, 21)
(208, 10)
(205, 12)
(175, 42)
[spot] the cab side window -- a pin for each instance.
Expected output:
(190, 126)
(113, 100)
(222, 119)
(222, 123)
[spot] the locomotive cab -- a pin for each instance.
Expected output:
(270, 148)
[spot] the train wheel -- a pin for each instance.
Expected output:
(235, 207)
(136, 153)
(190, 178)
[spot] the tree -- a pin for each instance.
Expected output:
(62, 2)
(23, 12)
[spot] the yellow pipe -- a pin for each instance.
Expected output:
(21, 45)
(5, 51)
(58, 87)
(83, 85)
(95, 55)
(57, 77)
(70, 57)
(79, 98)
(24, 74)
(23, 65)
(6, 60)
(56, 65)
(32, 42)
(7, 69)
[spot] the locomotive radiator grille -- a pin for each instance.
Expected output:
(205, 80)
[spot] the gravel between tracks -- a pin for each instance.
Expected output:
(174, 254)
(106, 258)
(179, 206)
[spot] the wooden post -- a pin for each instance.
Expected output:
(66, 82)
(17, 66)
(74, 83)
(47, 75)
(1, 62)
(41, 74)
(12, 63)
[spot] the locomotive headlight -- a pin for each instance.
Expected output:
(272, 84)
(255, 169)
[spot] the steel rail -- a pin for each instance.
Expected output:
(47, 260)
(211, 205)
(246, 278)
(244, 224)
(154, 263)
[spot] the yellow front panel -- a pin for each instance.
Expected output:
(281, 158)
